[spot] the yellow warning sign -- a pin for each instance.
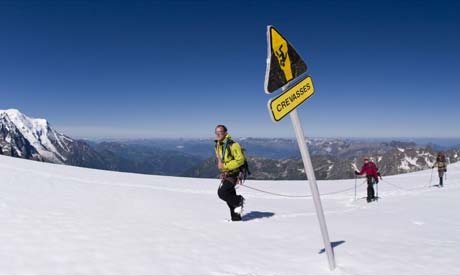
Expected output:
(283, 104)
(280, 48)
(284, 63)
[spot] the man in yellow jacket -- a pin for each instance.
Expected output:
(230, 158)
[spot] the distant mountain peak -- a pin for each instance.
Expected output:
(17, 128)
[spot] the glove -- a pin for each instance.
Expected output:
(379, 174)
(356, 173)
(376, 181)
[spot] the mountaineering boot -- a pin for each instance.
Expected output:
(239, 209)
(370, 199)
(236, 217)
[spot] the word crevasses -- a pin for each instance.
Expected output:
(293, 97)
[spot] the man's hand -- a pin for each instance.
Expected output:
(220, 165)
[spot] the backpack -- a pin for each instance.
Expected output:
(244, 171)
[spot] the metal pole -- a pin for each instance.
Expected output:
(313, 186)
(431, 177)
(356, 179)
(377, 186)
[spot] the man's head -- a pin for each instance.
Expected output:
(366, 160)
(221, 132)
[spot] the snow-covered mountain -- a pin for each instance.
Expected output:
(333, 158)
(35, 139)
(30, 138)
(63, 220)
(391, 159)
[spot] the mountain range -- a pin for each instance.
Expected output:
(269, 158)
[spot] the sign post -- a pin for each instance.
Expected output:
(313, 186)
(281, 73)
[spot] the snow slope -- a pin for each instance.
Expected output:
(67, 220)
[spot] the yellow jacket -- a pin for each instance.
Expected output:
(233, 156)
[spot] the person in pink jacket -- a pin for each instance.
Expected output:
(372, 174)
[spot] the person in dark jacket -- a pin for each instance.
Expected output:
(441, 164)
(372, 175)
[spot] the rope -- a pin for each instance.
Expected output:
(336, 192)
(271, 193)
(345, 190)
(404, 189)
(299, 196)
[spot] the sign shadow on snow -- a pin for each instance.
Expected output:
(257, 215)
(333, 244)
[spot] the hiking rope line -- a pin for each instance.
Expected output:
(337, 192)
(299, 196)
(404, 189)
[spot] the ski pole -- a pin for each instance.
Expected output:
(356, 179)
(445, 170)
(377, 184)
(431, 177)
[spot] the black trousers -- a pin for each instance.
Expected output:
(370, 187)
(441, 177)
(227, 193)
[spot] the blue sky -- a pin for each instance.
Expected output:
(143, 69)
